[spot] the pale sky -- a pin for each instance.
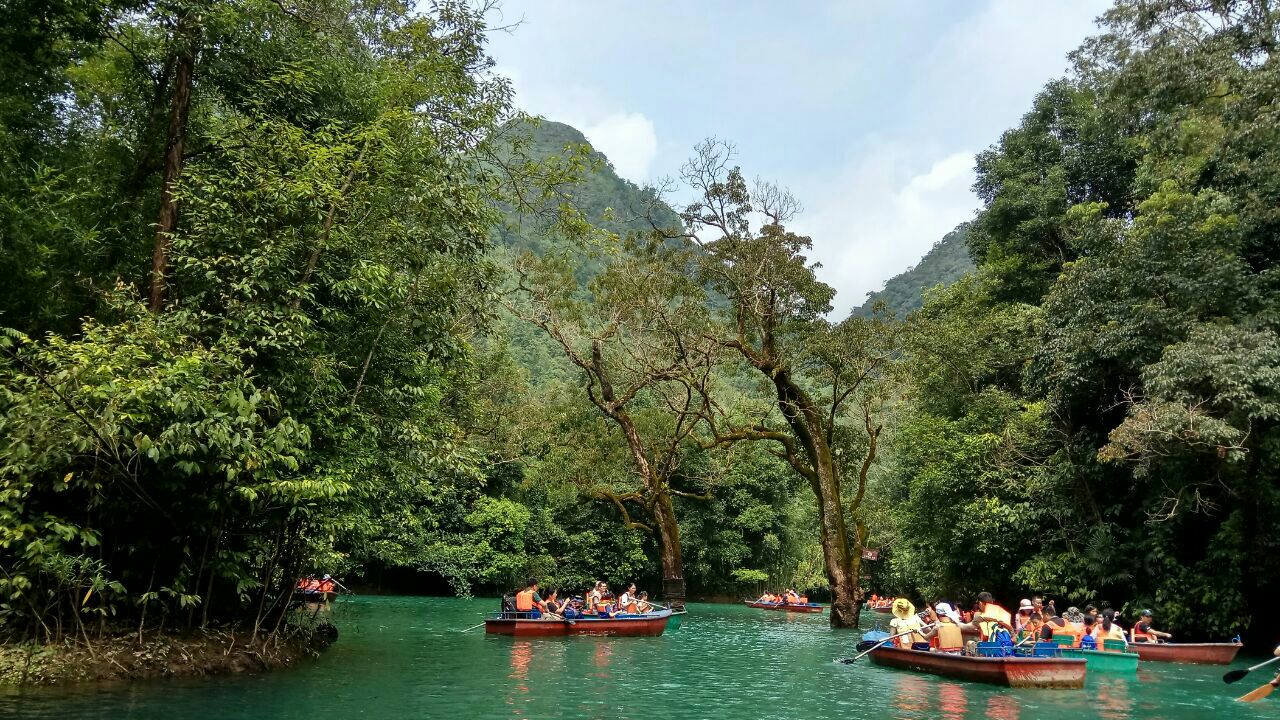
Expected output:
(869, 111)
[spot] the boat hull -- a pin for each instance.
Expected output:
(648, 625)
(1100, 661)
(881, 610)
(1199, 653)
(788, 607)
(677, 617)
(1018, 672)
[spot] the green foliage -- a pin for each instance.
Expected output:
(1122, 322)
(326, 274)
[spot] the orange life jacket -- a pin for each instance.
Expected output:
(326, 586)
(1136, 636)
(948, 637)
(524, 601)
(1068, 629)
(804, 600)
(632, 607)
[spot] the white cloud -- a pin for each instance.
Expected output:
(877, 213)
(628, 140)
(878, 218)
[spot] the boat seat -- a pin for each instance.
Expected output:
(1114, 645)
(990, 649)
(1063, 640)
(1046, 649)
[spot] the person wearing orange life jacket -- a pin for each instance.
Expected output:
(947, 635)
(326, 585)
(1142, 631)
(642, 602)
(627, 600)
(990, 616)
(594, 599)
(528, 601)
(1108, 629)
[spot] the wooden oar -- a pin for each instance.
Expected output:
(1235, 675)
(1260, 693)
(850, 661)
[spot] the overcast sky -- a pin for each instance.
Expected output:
(869, 111)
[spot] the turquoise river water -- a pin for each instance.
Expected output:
(405, 657)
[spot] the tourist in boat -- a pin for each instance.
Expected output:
(1143, 631)
(947, 634)
(551, 603)
(528, 600)
(642, 602)
(1089, 640)
(1108, 629)
(791, 597)
(595, 598)
(626, 601)
(326, 586)
(1032, 628)
(989, 616)
(1025, 608)
(905, 620)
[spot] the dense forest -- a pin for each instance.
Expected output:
(944, 264)
(294, 287)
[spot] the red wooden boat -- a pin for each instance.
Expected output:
(788, 607)
(1019, 672)
(1201, 653)
(521, 625)
(882, 609)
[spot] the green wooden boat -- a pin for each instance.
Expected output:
(1104, 661)
(677, 616)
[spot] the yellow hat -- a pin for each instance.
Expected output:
(903, 609)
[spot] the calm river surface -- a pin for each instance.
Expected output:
(403, 657)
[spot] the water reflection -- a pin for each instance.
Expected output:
(1002, 707)
(1111, 695)
(911, 696)
(601, 658)
(953, 704)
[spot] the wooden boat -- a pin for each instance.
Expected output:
(1018, 672)
(1200, 653)
(1108, 661)
(788, 607)
(522, 625)
(882, 609)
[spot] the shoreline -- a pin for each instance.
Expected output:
(121, 658)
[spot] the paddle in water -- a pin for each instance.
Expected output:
(850, 661)
(1235, 675)
(1260, 693)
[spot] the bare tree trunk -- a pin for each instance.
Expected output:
(186, 37)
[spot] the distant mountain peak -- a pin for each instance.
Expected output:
(947, 261)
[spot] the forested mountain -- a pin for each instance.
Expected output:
(944, 264)
(604, 199)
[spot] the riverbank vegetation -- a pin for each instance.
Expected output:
(293, 287)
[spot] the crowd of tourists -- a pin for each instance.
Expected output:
(598, 602)
(787, 597)
(311, 588)
(943, 627)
